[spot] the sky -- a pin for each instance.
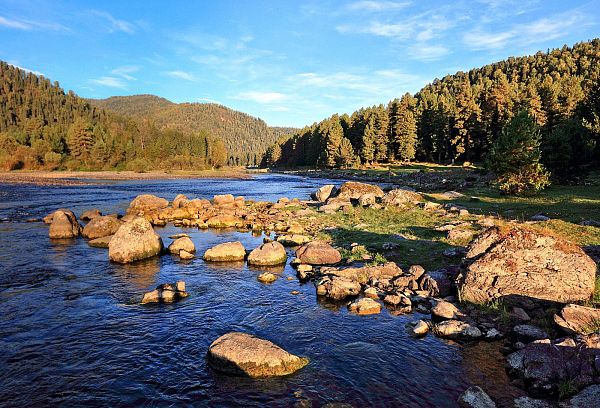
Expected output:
(290, 63)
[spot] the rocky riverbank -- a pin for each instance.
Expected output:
(508, 283)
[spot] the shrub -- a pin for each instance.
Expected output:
(139, 165)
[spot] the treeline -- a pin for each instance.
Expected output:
(459, 117)
(246, 137)
(42, 127)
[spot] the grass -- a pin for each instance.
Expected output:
(566, 388)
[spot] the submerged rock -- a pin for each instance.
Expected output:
(166, 293)
(364, 306)
(101, 226)
(246, 355)
(135, 240)
(269, 254)
(100, 242)
(226, 252)
(475, 397)
(64, 225)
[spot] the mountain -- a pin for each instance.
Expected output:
(459, 117)
(41, 126)
(246, 137)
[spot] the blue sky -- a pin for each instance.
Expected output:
(289, 63)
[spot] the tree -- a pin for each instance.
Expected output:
(515, 157)
(367, 146)
(80, 138)
(465, 119)
(218, 154)
(404, 130)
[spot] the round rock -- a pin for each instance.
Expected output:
(226, 252)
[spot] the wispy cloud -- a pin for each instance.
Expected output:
(125, 72)
(261, 96)
(186, 76)
(31, 71)
(111, 82)
(423, 52)
(115, 24)
(372, 5)
(29, 25)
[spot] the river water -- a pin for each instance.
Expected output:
(72, 333)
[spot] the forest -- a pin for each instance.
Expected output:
(468, 116)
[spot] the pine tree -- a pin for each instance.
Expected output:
(367, 148)
(80, 138)
(404, 131)
(465, 120)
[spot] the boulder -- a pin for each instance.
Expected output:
(293, 239)
(166, 293)
(323, 193)
(246, 355)
(445, 310)
(48, 218)
(364, 306)
(575, 319)
(335, 203)
(223, 199)
(528, 402)
(102, 226)
(587, 398)
(133, 241)
(64, 225)
(267, 277)
(180, 201)
(527, 333)
(419, 328)
(365, 274)
(90, 214)
(183, 243)
(475, 397)
(353, 190)
(183, 254)
(224, 221)
(526, 263)
(271, 253)
(400, 303)
(399, 196)
(318, 253)
(455, 329)
(226, 252)
(339, 288)
(146, 202)
(100, 242)
(367, 200)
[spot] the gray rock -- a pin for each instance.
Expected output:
(455, 329)
(587, 398)
(475, 397)
(528, 333)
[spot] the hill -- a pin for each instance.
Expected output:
(459, 117)
(246, 137)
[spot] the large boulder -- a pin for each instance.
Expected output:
(133, 241)
(520, 262)
(102, 226)
(575, 319)
(146, 202)
(353, 190)
(166, 293)
(269, 254)
(64, 225)
(318, 253)
(323, 193)
(246, 355)
(226, 252)
(182, 244)
(400, 196)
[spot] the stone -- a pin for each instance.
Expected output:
(293, 239)
(398, 197)
(400, 303)
(146, 202)
(459, 235)
(90, 214)
(166, 293)
(525, 263)
(528, 402)
(243, 354)
(364, 306)
(318, 253)
(101, 226)
(340, 288)
(575, 319)
(540, 217)
(100, 242)
(367, 200)
(180, 201)
(419, 329)
(223, 199)
(436, 283)
(528, 333)
(493, 334)
(267, 277)
(519, 313)
(587, 398)
(225, 252)
(272, 253)
(445, 310)
(371, 292)
(475, 397)
(323, 193)
(335, 203)
(455, 329)
(352, 190)
(185, 255)
(224, 221)
(64, 225)
(134, 240)
(183, 243)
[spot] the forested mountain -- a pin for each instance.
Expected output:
(246, 138)
(41, 126)
(458, 117)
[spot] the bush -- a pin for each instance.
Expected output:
(52, 160)
(139, 165)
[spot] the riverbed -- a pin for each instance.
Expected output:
(72, 332)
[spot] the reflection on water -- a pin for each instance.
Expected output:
(72, 333)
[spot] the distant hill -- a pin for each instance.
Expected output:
(246, 137)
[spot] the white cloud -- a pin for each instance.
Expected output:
(110, 82)
(31, 71)
(125, 71)
(114, 23)
(262, 97)
(19, 25)
(371, 5)
(186, 76)
(424, 52)
(27, 25)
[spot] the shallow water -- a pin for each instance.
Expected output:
(71, 333)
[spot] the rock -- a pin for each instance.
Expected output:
(64, 225)
(575, 319)
(318, 253)
(353, 190)
(335, 203)
(475, 397)
(146, 202)
(528, 402)
(100, 242)
(519, 314)
(459, 235)
(180, 201)
(166, 293)
(451, 195)
(90, 214)
(133, 241)
(364, 306)
(590, 223)
(371, 292)
(436, 283)
(323, 193)
(223, 199)
(367, 200)
(340, 288)
(293, 240)
(183, 243)
(267, 277)
(419, 328)
(272, 253)
(246, 355)
(455, 329)
(400, 302)
(528, 333)
(587, 398)
(400, 196)
(540, 217)
(226, 252)
(101, 227)
(365, 274)
(445, 310)
(224, 221)
(183, 254)
(493, 334)
(526, 263)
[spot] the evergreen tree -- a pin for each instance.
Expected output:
(80, 139)
(405, 130)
